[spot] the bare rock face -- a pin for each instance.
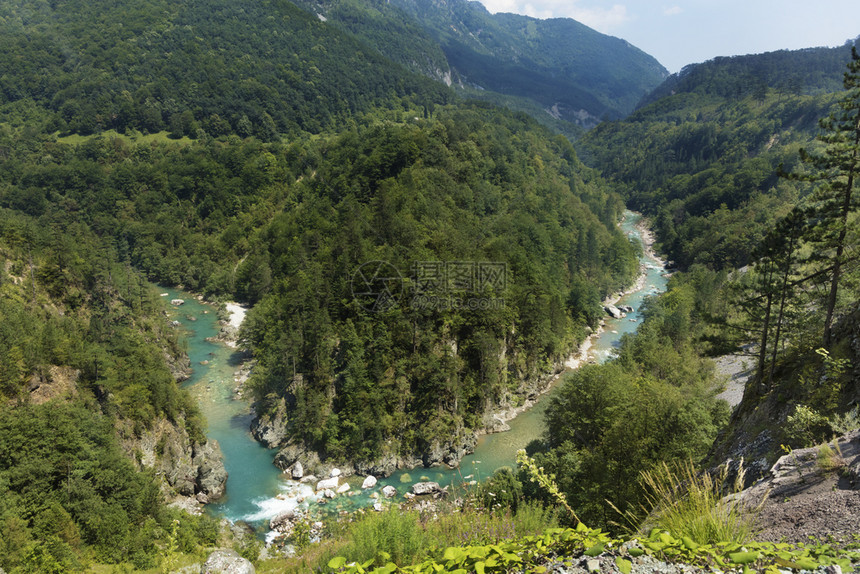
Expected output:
(226, 561)
(189, 468)
(271, 430)
(211, 474)
(809, 492)
(451, 451)
(386, 465)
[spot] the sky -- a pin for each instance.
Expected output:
(681, 32)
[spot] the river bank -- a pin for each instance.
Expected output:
(576, 359)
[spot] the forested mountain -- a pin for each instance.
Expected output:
(414, 261)
(223, 67)
(703, 157)
(554, 68)
(470, 185)
(252, 151)
(809, 71)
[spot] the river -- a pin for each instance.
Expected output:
(257, 490)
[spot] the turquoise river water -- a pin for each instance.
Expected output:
(257, 490)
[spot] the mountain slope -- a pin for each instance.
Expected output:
(702, 157)
(88, 368)
(564, 69)
(224, 67)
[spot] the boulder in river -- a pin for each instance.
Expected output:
(425, 488)
(297, 471)
(327, 483)
(285, 521)
(613, 311)
(369, 482)
(177, 302)
(389, 491)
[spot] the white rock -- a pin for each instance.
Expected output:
(425, 487)
(177, 302)
(343, 488)
(377, 506)
(369, 482)
(334, 472)
(329, 493)
(297, 471)
(224, 560)
(328, 483)
(389, 491)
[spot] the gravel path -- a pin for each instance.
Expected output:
(736, 369)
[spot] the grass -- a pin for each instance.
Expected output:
(830, 458)
(136, 137)
(409, 536)
(688, 503)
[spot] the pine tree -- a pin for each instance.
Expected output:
(835, 169)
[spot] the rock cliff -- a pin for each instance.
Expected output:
(190, 469)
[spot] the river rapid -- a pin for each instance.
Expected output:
(258, 491)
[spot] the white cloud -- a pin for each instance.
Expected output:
(601, 19)
(673, 11)
(597, 17)
(496, 6)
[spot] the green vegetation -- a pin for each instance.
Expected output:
(416, 376)
(409, 536)
(697, 505)
(533, 554)
(599, 438)
(250, 150)
(220, 67)
(703, 158)
(83, 355)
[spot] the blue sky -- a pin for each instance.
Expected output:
(682, 32)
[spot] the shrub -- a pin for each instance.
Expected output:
(806, 427)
